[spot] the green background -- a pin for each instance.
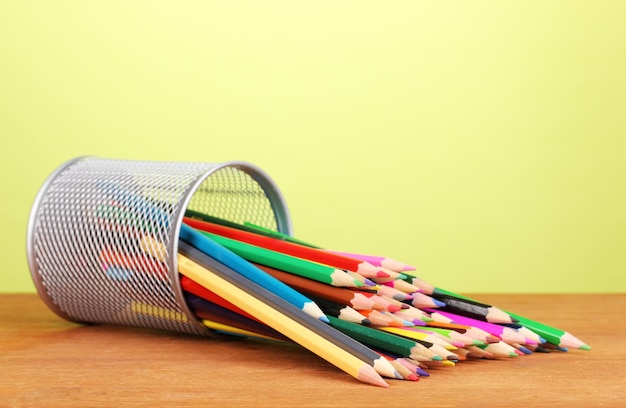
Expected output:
(482, 141)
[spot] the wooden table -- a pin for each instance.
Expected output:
(46, 361)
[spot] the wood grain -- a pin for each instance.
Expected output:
(46, 361)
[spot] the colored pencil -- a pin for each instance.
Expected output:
(413, 367)
(505, 333)
(190, 286)
(402, 286)
(287, 263)
(340, 311)
(415, 313)
(277, 234)
(471, 308)
(157, 311)
(244, 268)
(456, 336)
(378, 318)
(474, 332)
(399, 319)
(424, 286)
(394, 293)
(422, 300)
(130, 263)
(246, 226)
(403, 370)
(363, 268)
(501, 349)
(416, 334)
(408, 317)
(225, 329)
(356, 299)
(383, 261)
(472, 355)
(385, 341)
(392, 275)
(448, 339)
(529, 334)
(392, 304)
(552, 335)
(246, 280)
(336, 348)
(204, 309)
(437, 363)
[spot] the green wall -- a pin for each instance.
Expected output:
(482, 141)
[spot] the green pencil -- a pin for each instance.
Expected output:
(551, 334)
(385, 341)
(456, 336)
(287, 263)
(276, 234)
(246, 226)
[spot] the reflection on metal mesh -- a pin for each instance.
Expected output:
(93, 217)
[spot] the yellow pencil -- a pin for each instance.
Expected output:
(221, 327)
(280, 321)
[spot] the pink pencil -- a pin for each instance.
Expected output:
(506, 334)
(383, 261)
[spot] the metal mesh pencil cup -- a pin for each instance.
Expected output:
(93, 217)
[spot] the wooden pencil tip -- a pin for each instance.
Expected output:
(412, 377)
(369, 375)
(385, 368)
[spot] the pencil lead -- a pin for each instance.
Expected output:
(421, 372)
(438, 303)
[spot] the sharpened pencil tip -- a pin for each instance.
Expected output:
(369, 375)
(584, 347)
(438, 303)
(369, 282)
(385, 368)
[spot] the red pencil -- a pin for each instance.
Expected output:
(200, 291)
(363, 268)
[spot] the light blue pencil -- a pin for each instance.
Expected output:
(215, 251)
(245, 268)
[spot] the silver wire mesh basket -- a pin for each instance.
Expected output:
(88, 224)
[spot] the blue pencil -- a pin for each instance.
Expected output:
(209, 247)
(245, 268)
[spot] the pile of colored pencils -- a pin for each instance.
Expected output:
(372, 317)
